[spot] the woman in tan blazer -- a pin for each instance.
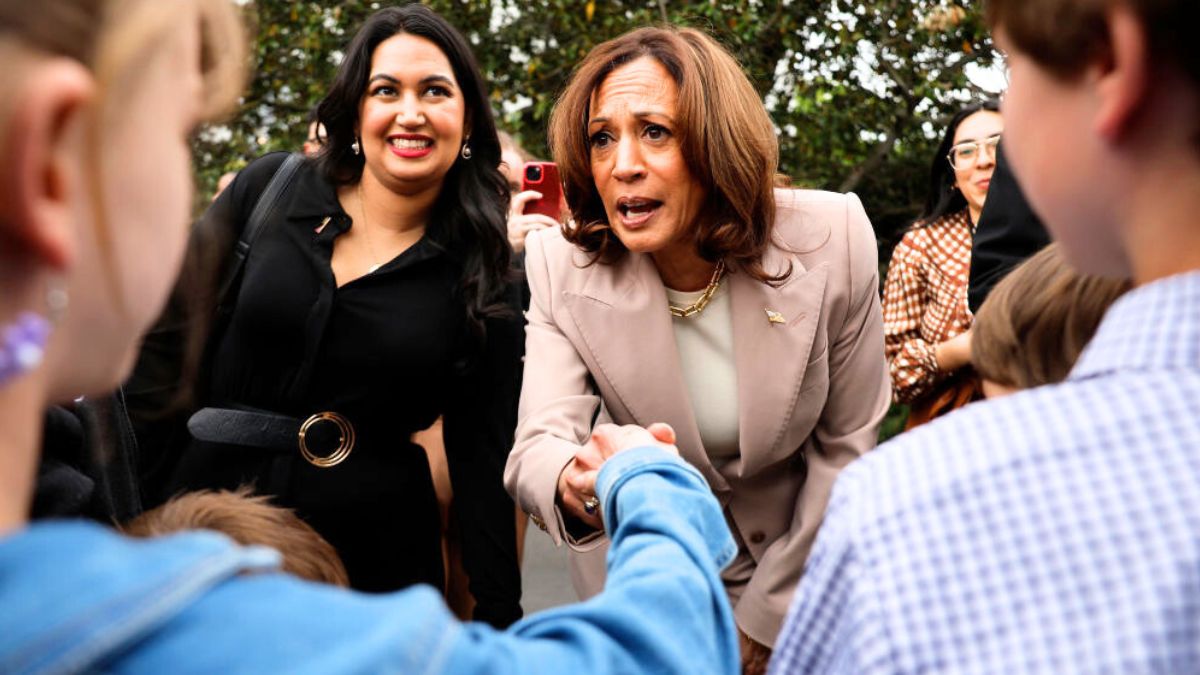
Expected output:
(691, 292)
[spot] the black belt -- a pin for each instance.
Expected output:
(324, 439)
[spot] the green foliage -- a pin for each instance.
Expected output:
(858, 90)
(893, 423)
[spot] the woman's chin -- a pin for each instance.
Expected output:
(640, 241)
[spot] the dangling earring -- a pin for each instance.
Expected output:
(23, 342)
(22, 345)
(466, 149)
(355, 147)
(56, 299)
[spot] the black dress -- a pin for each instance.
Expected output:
(390, 352)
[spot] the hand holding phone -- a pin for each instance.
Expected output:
(537, 206)
(542, 177)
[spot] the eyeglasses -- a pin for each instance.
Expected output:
(964, 155)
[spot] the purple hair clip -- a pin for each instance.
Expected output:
(22, 345)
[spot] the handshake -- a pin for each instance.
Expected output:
(577, 482)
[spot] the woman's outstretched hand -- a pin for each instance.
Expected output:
(577, 482)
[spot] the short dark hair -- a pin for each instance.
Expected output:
(472, 209)
(942, 199)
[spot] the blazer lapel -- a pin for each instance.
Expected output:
(773, 333)
(621, 314)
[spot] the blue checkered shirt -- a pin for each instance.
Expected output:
(1053, 531)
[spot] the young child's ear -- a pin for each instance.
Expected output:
(1123, 78)
(36, 180)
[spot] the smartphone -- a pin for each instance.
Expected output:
(543, 177)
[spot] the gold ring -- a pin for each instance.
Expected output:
(345, 440)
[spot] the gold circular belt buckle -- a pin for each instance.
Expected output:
(345, 440)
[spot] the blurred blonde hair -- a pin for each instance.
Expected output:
(114, 39)
(1036, 322)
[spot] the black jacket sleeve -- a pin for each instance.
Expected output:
(88, 463)
(1008, 232)
(480, 422)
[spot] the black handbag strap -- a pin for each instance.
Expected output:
(263, 213)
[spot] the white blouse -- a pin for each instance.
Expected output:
(705, 344)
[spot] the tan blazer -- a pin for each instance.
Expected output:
(811, 392)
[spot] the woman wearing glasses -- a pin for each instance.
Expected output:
(927, 326)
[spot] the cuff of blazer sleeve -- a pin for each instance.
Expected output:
(755, 617)
(561, 533)
(536, 487)
(586, 542)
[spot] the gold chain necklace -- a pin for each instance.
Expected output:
(701, 302)
(362, 208)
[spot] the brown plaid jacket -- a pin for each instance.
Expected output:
(925, 302)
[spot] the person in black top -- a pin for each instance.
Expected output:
(1008, 232)
(376, 299)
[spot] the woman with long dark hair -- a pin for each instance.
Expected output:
(375, 298)
(926, 321)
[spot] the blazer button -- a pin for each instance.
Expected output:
(757, 537)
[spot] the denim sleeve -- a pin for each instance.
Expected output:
(664, 607)
(663, 610)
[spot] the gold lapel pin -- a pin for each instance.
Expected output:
(774, 317)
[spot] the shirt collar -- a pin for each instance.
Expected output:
(314, 196)
(1154, 327)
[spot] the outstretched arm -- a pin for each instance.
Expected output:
(663, 610)
(664, 607)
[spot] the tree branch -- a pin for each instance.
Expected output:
(872, 162)
(881, 150)
(973, 57)
(906, 89)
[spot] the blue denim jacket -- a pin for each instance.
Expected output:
(75, 596)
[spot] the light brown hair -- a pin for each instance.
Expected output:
(507, 142)
(725, 134)
(1064, 36)
(1037, 320)
(248, 520)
